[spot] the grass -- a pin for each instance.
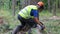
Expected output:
(9, 18)
(52, 26)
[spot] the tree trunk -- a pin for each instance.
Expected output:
(54, 8)
(58, 3)
(49, 9)
(54, 12)
(9, 4)
(13, 7)
(29, 2)
(34, 2)
(24, 3)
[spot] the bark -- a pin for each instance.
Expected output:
(13, 7)
(58, 3)
(24, 3)
(34, 2)
(54, 8)
(49, 9)
(9, 4)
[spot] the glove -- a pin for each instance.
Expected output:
(42, 27)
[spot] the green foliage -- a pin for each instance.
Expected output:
(52, 26)
(12, 21)
(6, 4)
(46, 13)
(45, 3)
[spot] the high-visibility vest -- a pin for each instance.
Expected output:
(25, 13)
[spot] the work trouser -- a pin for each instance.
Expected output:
(23, 21)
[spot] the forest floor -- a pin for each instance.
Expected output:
(51, 22)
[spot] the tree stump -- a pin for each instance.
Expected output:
(1, 20)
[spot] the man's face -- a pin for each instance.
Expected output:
(40, 10)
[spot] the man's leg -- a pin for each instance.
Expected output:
(32, 24)
(17, 29)
(29, 31)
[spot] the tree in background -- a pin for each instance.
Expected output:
(13, 6)
(28, 2)
(49, 6)
(10, 3)
(58, 3)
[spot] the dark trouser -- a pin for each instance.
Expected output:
(23, 21)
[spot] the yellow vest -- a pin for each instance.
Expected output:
(25, 13)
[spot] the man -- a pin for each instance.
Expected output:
(30, 15)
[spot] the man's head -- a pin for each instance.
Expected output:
(40, 5)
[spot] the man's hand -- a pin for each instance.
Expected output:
(40, 23)
(42, 27)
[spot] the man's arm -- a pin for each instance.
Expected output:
(40, 23)
(37, 21)
(36, 18)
